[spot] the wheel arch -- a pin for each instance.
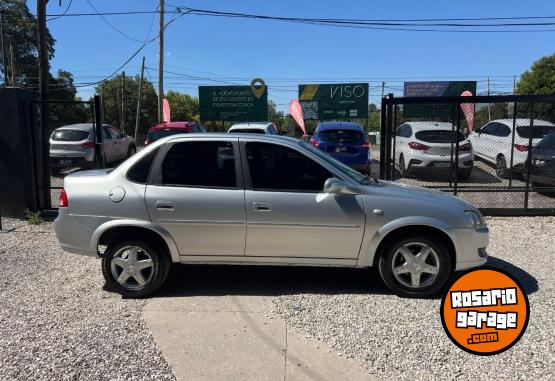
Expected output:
(134, 229)
(405, 227)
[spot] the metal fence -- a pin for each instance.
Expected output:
(497, 152)
(57, 154)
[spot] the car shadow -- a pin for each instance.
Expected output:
(218, 280)
(478, 176)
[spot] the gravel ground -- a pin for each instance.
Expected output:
(57, 322)
(403, 339)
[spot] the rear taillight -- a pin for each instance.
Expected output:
(521, 147)
(418, 146)
(88, 144)
(366, 145)
(465, 147)
(315, 142)
(63, 199)
(146, 142)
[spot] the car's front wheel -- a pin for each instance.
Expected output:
(134, 269)
(501, 167)
(416, 266)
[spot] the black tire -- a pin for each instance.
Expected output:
(431, 284)
(402, 168)
(131, 151)
(154, 276)
(464, 174)
(501, 167)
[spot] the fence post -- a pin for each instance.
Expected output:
(512, 147)
(456, 138)
(383, 137)
(529, 157)
(393, 136)
(99, 149)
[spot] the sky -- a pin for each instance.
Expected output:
(287, 54)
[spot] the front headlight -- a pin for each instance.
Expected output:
(475, 219)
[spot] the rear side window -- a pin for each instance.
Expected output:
(438, 136)
(340, 136)
(139, 171)
(537, 132)
(69, 135)
(200, 164)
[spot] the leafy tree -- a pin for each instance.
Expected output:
(183, 107)
(111, 92)
(62, 114)
(20, 29)
(540, 80)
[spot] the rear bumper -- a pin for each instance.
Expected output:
(68, 161)
(542, 179)
(75, 234)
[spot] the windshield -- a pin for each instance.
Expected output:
(340, 136)
(347, 171)
(538, 131)
(159, 134)
(437, 136)
(69, 135)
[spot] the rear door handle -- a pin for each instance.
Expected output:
(262, 206)
(164, 205)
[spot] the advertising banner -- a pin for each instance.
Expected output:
(337, 101)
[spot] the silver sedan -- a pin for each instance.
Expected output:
(265, 200)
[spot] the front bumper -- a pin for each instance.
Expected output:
(470, 245)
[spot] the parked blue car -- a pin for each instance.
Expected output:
(345, 141)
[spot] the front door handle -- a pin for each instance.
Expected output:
(164, 205)
(262, 206)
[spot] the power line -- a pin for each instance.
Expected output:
(63, 14)
(112, 26)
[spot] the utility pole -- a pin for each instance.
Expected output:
(122, 126)
(139, 100)
(489, 108)
(43, 97)
(12, 65)
(382, 111)
(161, 64)
(514, 84)
(4, 64)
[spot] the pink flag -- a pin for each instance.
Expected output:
(166, 115)
(468, 110)
(297, 113)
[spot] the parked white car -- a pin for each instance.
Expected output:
(424, 147)
(255, 128)
(494, 142)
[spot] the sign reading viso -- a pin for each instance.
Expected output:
(334, 101)
(234, 103)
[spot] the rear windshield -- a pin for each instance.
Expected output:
(248, 130)
(159, 134)
(340, 136)
(438, 136)
(547, 142)
(538, 132)
(70, 135)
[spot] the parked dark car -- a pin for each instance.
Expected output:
(345, 141)
(542, 167)
(164, 129)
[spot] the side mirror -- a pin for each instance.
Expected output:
(336, 186)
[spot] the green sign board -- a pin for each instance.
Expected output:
(334, 101)
(234, 103)
(435, 112)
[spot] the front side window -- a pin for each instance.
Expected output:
(209, 164)
(277, 168)
(489, 129)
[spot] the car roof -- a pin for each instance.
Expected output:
(323, 126)
(431, 125)
(524, 122)
(77, 126)
(176, 125)
(253, 125)
(226, 136)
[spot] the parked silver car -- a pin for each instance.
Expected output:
(74, 146)
(267, 200)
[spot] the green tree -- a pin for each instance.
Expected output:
(183, 107)
(539, 80)
(62, 114)
(112, 90)
(20, 30)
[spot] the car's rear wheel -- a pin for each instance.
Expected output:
(415, 266)
(501, 167)
(402, 167)
(131, 151)
(134, 269)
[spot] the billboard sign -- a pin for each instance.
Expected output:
(334, 101)
(439, 112)
(234, 103)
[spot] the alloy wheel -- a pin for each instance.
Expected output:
(132, 267)
(415, 265)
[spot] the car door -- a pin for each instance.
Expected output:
(120, 148)
(481, 142)
(108, 144)
(288, 215)
(196, 193)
